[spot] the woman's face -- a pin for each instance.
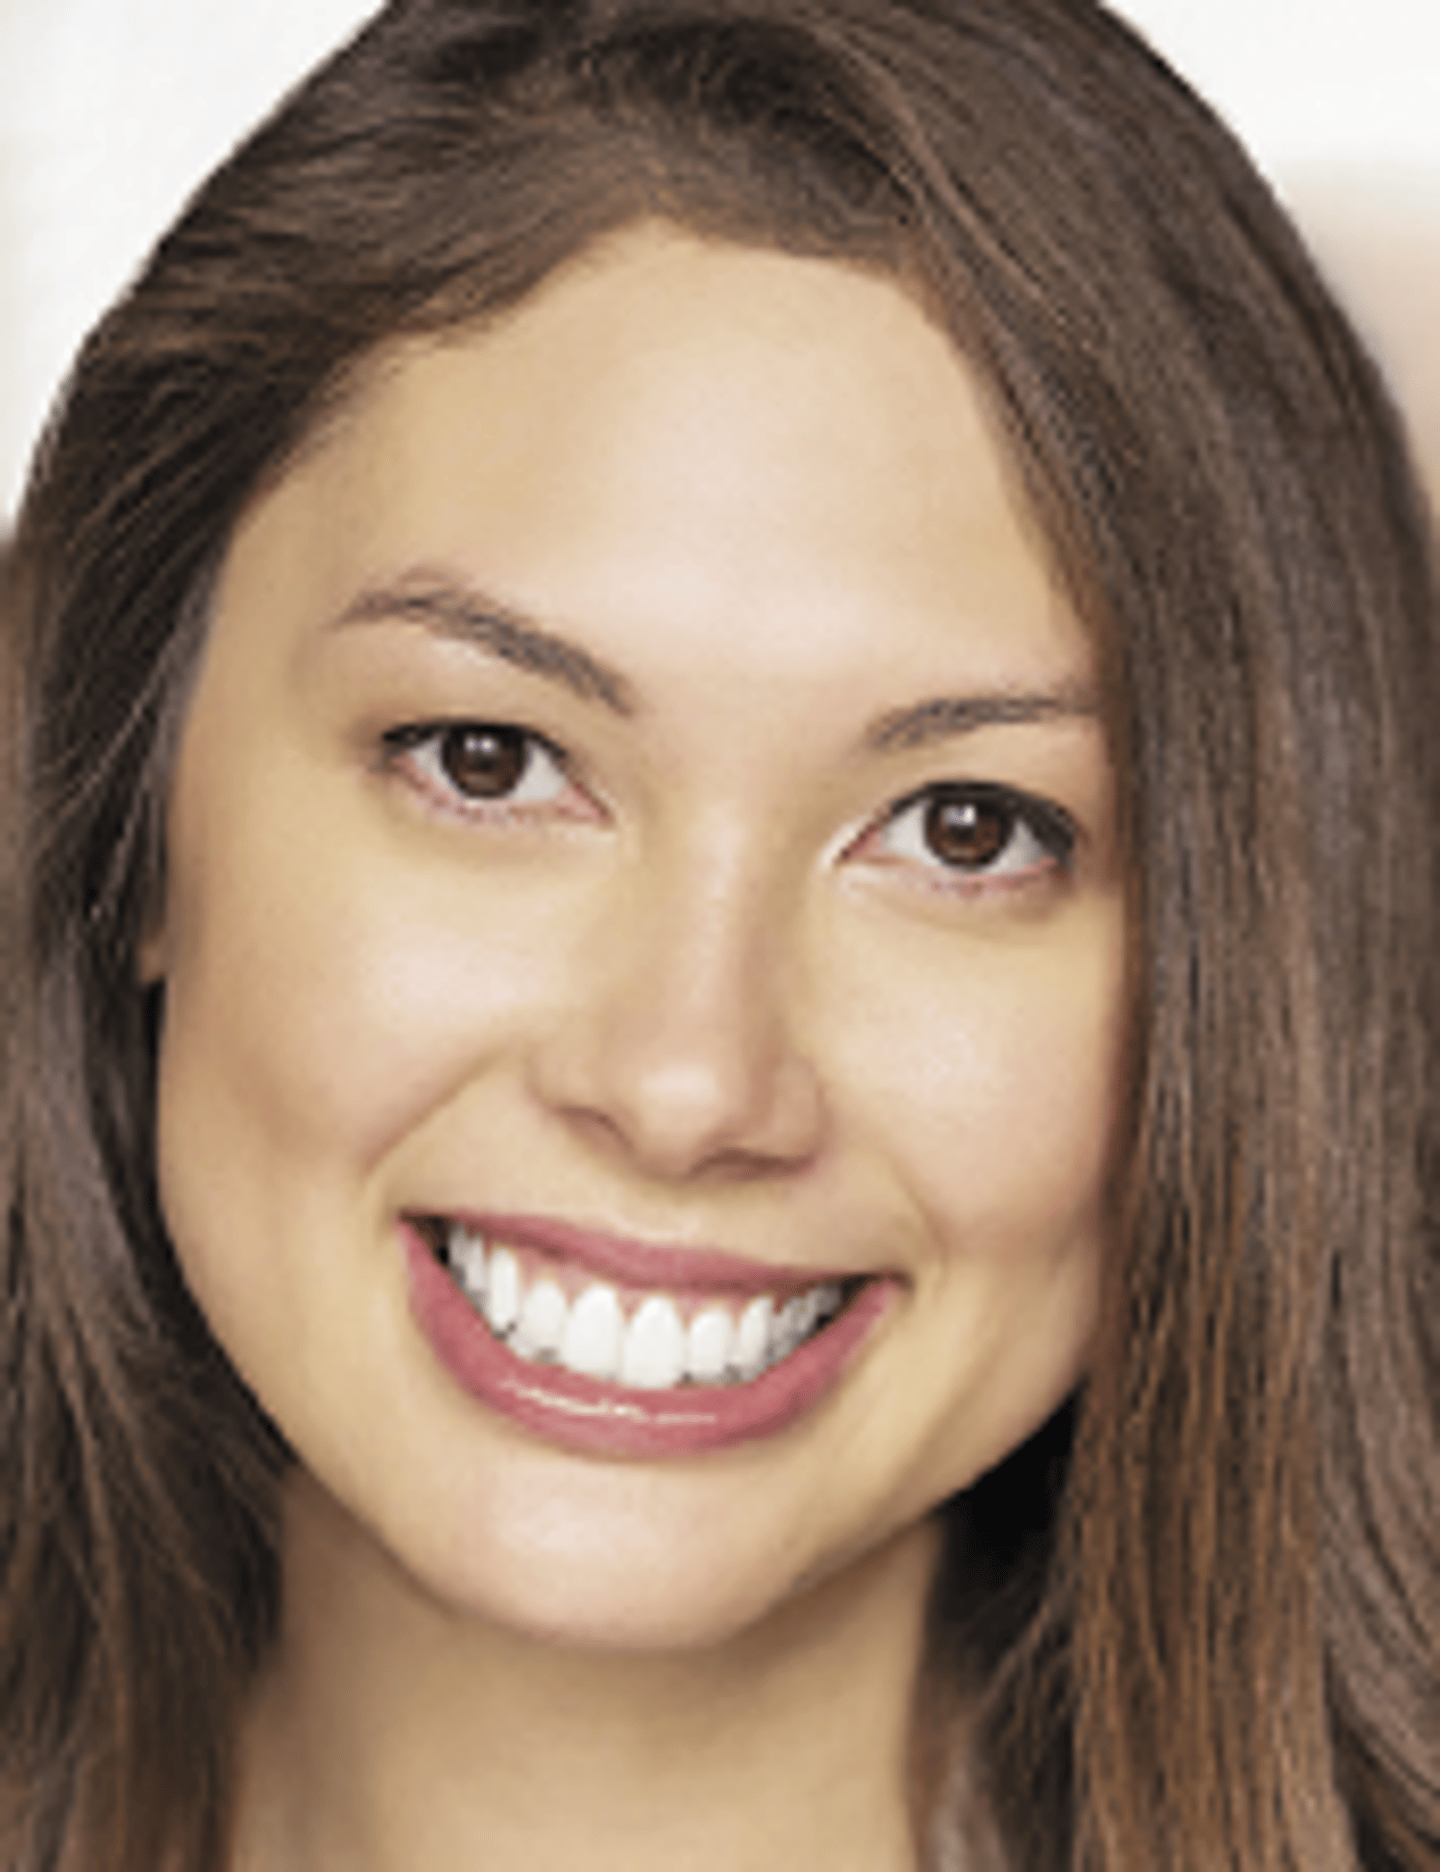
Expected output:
(644, 812)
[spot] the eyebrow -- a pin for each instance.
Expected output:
(942, 718)
(466, 616)
(459, 612)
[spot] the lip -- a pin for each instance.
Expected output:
(599, 1418)
(639, 1264)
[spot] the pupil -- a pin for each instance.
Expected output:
(967, 832)
(484, 763)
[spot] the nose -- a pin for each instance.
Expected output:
(679, 1053)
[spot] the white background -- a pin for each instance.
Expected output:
(111, 111)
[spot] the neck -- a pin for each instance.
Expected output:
(390, 1731)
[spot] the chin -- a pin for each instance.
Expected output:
(637, 1591)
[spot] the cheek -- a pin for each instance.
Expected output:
(996, 1079)
(321, 1004)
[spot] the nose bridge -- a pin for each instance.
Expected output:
(684, 1050)
(712, 956)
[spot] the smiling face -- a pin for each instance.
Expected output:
(643, 829)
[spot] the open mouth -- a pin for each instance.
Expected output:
(548, 1310)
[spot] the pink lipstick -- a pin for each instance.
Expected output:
(645, 1410)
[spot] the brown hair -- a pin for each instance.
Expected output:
(1202, 1606)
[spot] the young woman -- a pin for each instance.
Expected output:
(720, 1129)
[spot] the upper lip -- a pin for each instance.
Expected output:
(630, 1262)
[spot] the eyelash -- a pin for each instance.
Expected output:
(908, 833)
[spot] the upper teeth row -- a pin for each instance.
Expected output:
(651, 1350)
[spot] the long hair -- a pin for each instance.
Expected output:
(1200, 1611)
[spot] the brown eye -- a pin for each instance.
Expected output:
(484, 762)
(476, 765)
(969, 832)
(977, 833)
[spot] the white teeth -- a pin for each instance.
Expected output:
(787, 1329)
(502, 1291)
(466, 1253)
(654, 1350)
(707, 1345)
(781, 1339)
(542, 1322)
(828, 1300)
(751, 1336)
(593, 1334)
(653, 1356)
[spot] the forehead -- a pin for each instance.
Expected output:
(674, 441)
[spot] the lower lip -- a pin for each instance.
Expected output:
(603, 1419)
